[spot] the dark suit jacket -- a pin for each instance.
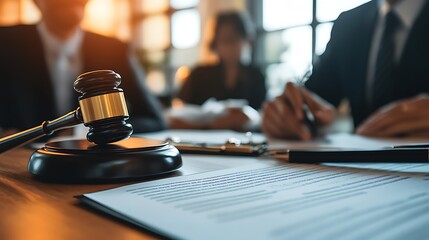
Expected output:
(26, 98)
(209, 82)
(341, 71)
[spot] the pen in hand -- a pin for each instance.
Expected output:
(298, 117)
(309, 121)
(294, 97)
(288, 117)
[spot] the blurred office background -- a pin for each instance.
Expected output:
(171, 36)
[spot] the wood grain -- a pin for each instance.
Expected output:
(30, 209)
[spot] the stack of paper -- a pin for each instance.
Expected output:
(277, 202)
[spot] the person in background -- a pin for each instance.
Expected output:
(230, 78)
(39, 63)
(377, 58)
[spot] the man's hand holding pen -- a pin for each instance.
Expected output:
(287, 115)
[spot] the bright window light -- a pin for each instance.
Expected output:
(29, 12)
(101, 17)
(329, 10)
(154, 6)
(323, 34)
(179, 4)
(185, 28)
(278, 14)
(156, 81)
(155, 33)
(298, 49)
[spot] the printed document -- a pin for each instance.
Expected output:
(277, 201)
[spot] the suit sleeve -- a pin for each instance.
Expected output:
(145, 110)
(325, 80)
(3, 104)
(260, 90)
(5, 100)
(186, 93)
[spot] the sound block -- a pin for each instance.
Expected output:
(82, 161)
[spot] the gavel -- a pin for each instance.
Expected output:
(102, 108)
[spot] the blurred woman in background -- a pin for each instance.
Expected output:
(230, 78)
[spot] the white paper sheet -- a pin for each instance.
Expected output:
(339, 140)
(206, 136)
(207, 112)
(277, 202)
(344, 140)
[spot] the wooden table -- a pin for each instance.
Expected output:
(30, 209)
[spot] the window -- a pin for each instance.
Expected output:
(17, 12)
(279, 14)
(155, 33)
(164, 33)
(181, 4)
(185, 29)
(292, 34)
(323, 34)
(167, 36)
(106, 17)
(109, 18)
(329, 10)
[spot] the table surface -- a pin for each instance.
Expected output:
(31, 209)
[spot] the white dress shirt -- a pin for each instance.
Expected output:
(407, 11)
(64, 61)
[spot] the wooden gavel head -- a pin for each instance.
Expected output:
(103, 106)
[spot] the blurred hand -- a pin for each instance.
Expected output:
(177, 123)
(284, 116)
(234, 119)
(409, 117)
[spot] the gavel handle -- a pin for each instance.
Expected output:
(46, 128)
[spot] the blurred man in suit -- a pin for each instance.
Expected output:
(377, 58)
(38, 64)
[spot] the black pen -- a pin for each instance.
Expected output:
(418, 145)
(386, 155)
(309, 120)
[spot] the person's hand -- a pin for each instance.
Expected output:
(177, 123)
(409, 117)
(284, 116)
(234, 119)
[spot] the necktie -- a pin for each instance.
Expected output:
(63, 74)
(385, 64)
